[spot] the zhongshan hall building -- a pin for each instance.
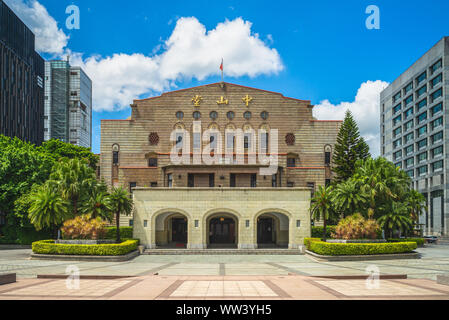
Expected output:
(219, 166)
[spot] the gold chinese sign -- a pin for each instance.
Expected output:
(247, 100)
(197, 100)
(222, 101)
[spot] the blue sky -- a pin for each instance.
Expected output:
(325, 50)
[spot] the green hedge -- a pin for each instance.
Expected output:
(307, 241)
(344, 249)
(125, 233)
(50, 247)
(419, 241)
(318, 232)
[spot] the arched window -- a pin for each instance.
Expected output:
(247, 115)
(230, 115)
(213, 115)
(196, 115)
(327, 155)
(180, 115)
(264, 115)
(115, 154)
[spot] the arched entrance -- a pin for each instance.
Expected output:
(171, 230)
(272, 230)
(222, 231)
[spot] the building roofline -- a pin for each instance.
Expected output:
(212, 84)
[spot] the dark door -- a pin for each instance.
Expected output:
(179, 230)
(222, 231)
(265, 230)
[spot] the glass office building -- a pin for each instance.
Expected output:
(21, 80)
(414, 131)
(68, 104)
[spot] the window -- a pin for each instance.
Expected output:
(253, 180)
(180, 115)
(170, 180)
(232, 180)
(131, 186)
(247, 140)
(435, 81)
(422, 104)
(436, 94)
(274, 180)
(408, 113)
(264, 141)
(230, 139)
(437, 166)
(179, 138)
(408, 125)
(409, 100)
(211, 180)
(411, 173)
(153, 184)
(327, 158)
(408, 88)
(422, 131)
(197, 115)
(247, 115)
(73, 93)
(291, 162)
(115, 157)
(213, 115)
(230, 115)
(437, 152)
(422, 144)
(213, 141)
(396, 97)
(397, 155)
(152, 162)
(396, 120)
(408, 138)
(397, 143)
(131, 222)
(436, 123)
(422, 171)
(397, 108)
(436, 109)
(422, 157)
(409, 162)
(196, 141)
(422, 90)
(436, 66)
(421, 78)
(409, 150)
(437, 137)
(264, 115)
(311, 185)
(422, 117)
(290, 184)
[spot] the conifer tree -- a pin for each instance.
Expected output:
(349, 148)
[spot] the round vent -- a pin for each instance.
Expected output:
(290, 139)
(154, 138)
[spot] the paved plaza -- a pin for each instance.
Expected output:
(225, 277)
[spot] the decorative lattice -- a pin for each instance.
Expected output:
(290, 139)
(154, 138)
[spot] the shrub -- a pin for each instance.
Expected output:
(318, 231)
(83, 227)
(307, 241)
(50, 247)
(356, 227)
(125, 233)
(343, 249)
(419, 241)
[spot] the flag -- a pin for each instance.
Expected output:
(221, 65)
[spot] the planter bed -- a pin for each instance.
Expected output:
(85, 241)
(356, 241)
(395, 256)
(59, 257)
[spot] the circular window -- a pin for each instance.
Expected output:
(247, 115)
(290, 139)
(231, 115)
(213, 115)
(153, 138)
(197, 115)
(180, 115)
(264, 115)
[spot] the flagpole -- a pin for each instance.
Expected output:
(222, 67)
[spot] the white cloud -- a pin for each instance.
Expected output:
(49, 38)
(190, 52)
(365, 109)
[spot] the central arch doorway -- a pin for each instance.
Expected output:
(272, 230)
(222, 231)
(171, 230)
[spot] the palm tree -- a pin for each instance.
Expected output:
(48, 209)
(321, 206)
(396, 218)
(72, 178)
(417, 204)
(347, 197)
(97, 204)
(121, 203)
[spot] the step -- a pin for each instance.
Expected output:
(222, 252)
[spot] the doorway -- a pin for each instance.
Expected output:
(265, 231)
(222, 232)
(179, 231)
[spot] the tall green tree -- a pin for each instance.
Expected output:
(61, 150)
(97, 204)
(350, 148)
(348, 198)
(121, 203)
(48, 209)
(396, 217)
(321, 206)
(417, 204)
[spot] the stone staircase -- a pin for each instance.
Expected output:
(223, 252)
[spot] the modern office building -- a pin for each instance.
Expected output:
(222, 192)
(68, 104)
(21, 80)
(414, 131)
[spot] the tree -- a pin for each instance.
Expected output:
(350, 148)
(73, 179)
(347, 198)
(417, 204)
(48, 209)
(396, 218)
(97, 204)
(60, 150)
(121, 203)
(321, 206)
